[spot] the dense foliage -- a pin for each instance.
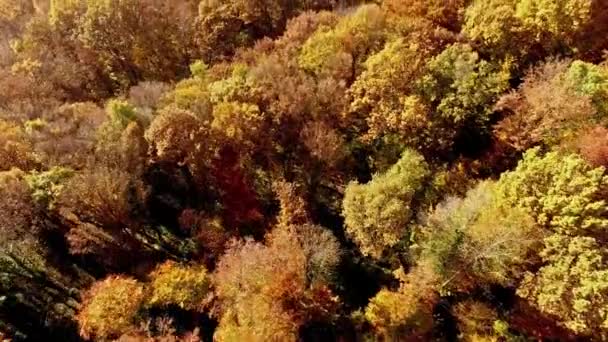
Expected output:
(303, 170)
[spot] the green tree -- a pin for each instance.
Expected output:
(462, 87)
(377, 213)
(562, 193)
(572, 285)
(341, 50)
(526, 28)
(590, 80)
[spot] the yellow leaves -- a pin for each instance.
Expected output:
(26, 66)
(110, 307)
(377, 213)
(185, 286)
(176, 135)
(340, 50)
(239, 122)
(475, 321)
(411, 120)
(562, 192)
(10, 9)
(490, 21)
(406, 312)
(321, 52)
(564, 195)
(60, 8)
(555, 16)
(572, 285)
(15, 150)
(388, 309)
(511, 27)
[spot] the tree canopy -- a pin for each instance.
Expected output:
(303, 170)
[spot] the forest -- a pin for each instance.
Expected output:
(303, 170)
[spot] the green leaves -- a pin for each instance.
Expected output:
(463, 86)
(562, 193)
(377, 213)
(573, 285)
(46, 186)
(590, 80)
(340, 51)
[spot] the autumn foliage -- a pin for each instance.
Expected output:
(303, 170)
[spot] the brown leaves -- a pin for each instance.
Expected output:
(545, 109)
(593, 146)
(99, 207)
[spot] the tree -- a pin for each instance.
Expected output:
(592, 146)
(30, 280)
(383, 101)
(46, 186)
(545, 110)
(146, 96)
(477, 240)
(340, 51)
(447, 14)
(300, 28)
(476, 321)
(554, 17)
(462, 87)
(239, 123)
(590, 80)
(178, 137)
(136, 40)
(225, 26)
(407, 313)
(491, 22)
(572, 285)
(187, 287)
(269, 291)
(526, 29)
(15, 149)
(110, 307)
(377, 214)
(99, 208)
(67, 135)
(94, 49)
(562, 193)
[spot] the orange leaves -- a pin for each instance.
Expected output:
(268, 291)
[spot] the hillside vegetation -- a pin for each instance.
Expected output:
(303, 170)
